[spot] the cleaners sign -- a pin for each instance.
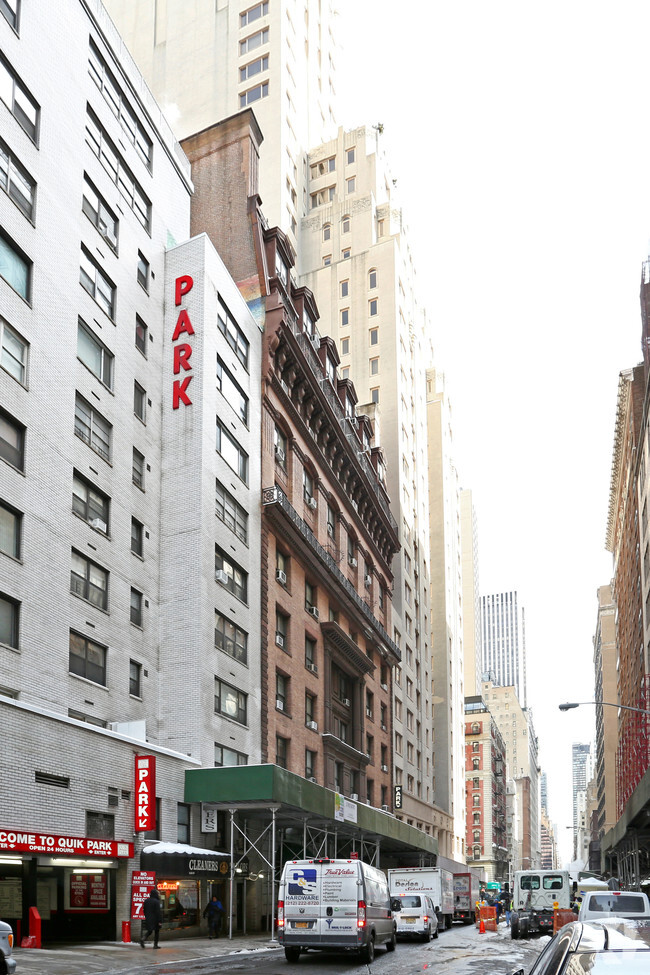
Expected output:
(145, 793)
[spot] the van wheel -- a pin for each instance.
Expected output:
(368, 951)
(435, 933)
(427, 935)
(292, 954)
(390, 945)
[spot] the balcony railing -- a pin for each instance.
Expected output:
(275, 495)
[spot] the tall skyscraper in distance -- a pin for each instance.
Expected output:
(581, 762)
(206, 61)
(503, 637)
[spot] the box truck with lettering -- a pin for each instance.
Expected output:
(535, 895)
(437, 882)
(466, 893)
(334, 905)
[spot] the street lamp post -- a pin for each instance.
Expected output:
(624, 707)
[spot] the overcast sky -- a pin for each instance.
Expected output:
(520, 140)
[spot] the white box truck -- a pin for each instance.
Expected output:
(334, 905)
(534, 896)
(437, 882)
(466, 894)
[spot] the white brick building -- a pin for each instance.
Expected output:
(129, 415)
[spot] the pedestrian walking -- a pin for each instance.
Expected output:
(506, 903)
(153, 916)
(214, 912)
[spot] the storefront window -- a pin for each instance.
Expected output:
(180, 899)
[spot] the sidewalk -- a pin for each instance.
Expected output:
(114, 957)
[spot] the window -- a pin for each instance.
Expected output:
(327, 231)
(310, 596)
(230, 575)
(254, 41)
(350, 155)
(281, 692)
(9, 621)
(10, 530)
(230, 638)
(231, 391)
(331, 521)
(322, 167)
(281, 629)
(281, 751)
(135, 679)
(374, 395)
(280, 446)
(231, 513)
(310, 764)
(326, 195)
(373, 307)
(345, 253)
(254, 67)
(310, 708)
(372, 279)
(233, 334)
(253, 13)
(228, 756)
(351, 184)
(137, 537)
(345, 346)
(143, 272)
(345, 225)
(15, 267)
(136, 607)
(374, 367)
(327, 260)
(13, 352)
(97, 284)
(10, 10)
(15, 180)
(374, 336)
(233, 454)
(345, 288)
(91, 427)
(141, 336)
(100, 214)
(140, 402)
(345, 316)
(89, 581)
(18, 100)
(120, 174)
(137, 470)
(89, 503)
(330, 369)
(307, 487)
(114, 98)
(230, 702)
(183, 822)
(253, 94)
(310, 654)
(87, 659)
(94, 354)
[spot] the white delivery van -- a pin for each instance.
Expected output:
(334, 905)
(417, 917)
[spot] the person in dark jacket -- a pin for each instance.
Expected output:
(153, 915)
(214, 912)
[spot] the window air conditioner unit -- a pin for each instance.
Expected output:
(346, 701)
(353, 562)
(330, 530)
(385, 808)
(354, 796)
(279, 639)
(369, 712)
(384, 687)
(281, 576)
(313, 668)
(312, 778)
(98, 524)
(279, 454)
(384, 768)
(313, 611)
(279, 705)
(222, 576)
(313, 725)
(384, 727)
(311, 503)
(368, 581)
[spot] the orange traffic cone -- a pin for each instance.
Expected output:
(481, 927)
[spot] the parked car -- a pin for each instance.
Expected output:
(597, 904)
(417, 917)
(596, 947)
(6, 945)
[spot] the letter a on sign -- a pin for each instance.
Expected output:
(145, 793)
